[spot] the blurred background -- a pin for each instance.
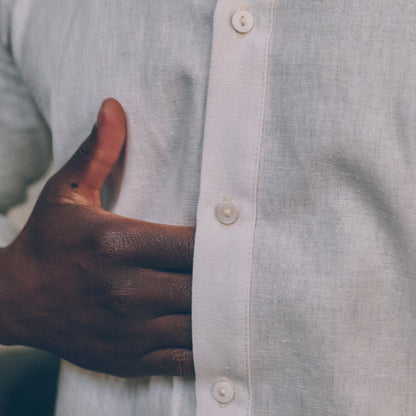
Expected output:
(28, 377)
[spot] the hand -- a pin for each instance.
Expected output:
(108, 293)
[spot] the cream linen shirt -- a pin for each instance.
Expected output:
(286, 131)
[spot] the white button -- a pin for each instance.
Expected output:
(223, 391)
(226, 213)
(242, 21)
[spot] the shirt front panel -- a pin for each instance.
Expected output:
(333, 288)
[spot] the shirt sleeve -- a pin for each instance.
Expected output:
(25, 143)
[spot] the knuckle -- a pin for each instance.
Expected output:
(126, 295)
(179, 361)
(118, 300)
(109, 242)
(184, 331)
(187, 329)
(180, 290)
(190, 243)
(185, 290)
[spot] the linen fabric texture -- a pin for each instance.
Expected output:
(306, 305)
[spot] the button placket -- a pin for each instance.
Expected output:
(224, 236)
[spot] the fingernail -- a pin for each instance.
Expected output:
(101, 116)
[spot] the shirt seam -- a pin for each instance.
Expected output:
(255, 181)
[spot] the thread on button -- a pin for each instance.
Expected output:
(226, 213)
(223, 392)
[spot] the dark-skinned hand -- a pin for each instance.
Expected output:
(108, 293)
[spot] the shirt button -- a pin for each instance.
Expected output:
(242, 21)
(226, 213)
(223, 391)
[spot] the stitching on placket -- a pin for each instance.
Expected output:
(254, 205)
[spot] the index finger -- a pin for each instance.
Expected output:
(150, 245)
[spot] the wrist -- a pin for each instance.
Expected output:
(9, 297)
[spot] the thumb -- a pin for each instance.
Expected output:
(82, 178)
